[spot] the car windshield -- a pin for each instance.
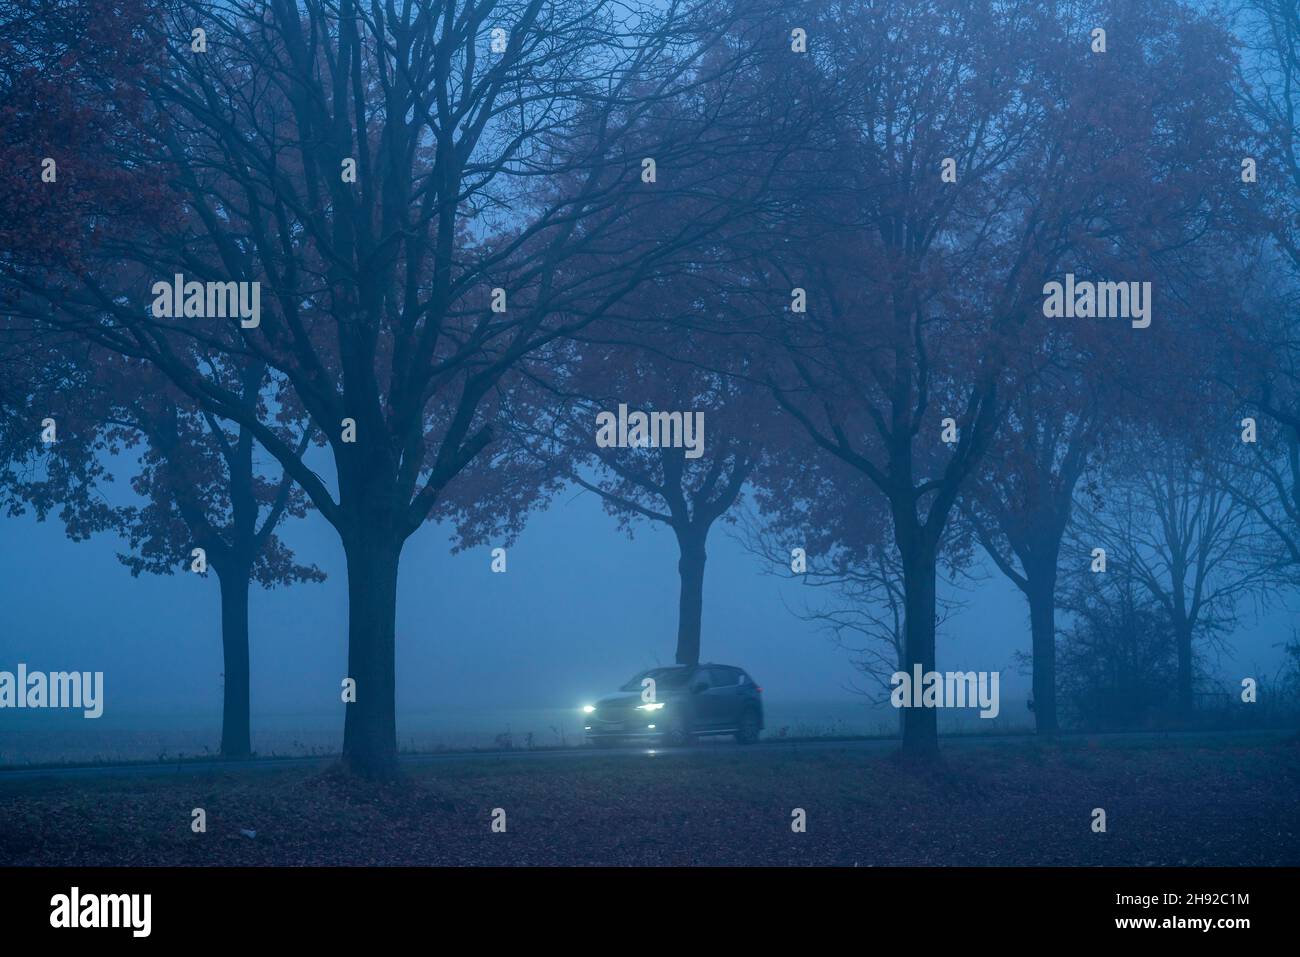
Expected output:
(666, 679)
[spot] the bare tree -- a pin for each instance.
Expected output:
(201, 485)
(1269, 92)
(429, 195)
(704, 439)
(801, 530)
(925, 295)
(1177, 529)
(1020, 512)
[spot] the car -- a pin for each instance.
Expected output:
(677, 704)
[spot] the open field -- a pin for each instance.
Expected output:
(1197, 801)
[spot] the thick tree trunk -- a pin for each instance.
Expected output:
(236, 737)
(920, 724)
(690, 566)
(370, 728)
(1041, 593)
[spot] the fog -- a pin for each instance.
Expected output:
(579, 610)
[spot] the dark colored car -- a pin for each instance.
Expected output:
(684, 702)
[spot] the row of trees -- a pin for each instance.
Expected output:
(478, 224)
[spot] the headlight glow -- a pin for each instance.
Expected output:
(588, 708)
(652, 706)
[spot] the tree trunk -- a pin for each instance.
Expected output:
(1183, 634)
(236, 738)
(1041, 592)
(370, 728)
(690, 566)
(920, 724)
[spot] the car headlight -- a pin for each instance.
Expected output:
(652, 706)
(588, 708)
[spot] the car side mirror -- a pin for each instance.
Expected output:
(699, 686)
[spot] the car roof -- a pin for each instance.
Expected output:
(702, 664)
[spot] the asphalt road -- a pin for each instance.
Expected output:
(703, 750)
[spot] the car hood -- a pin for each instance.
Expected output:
(630, 699)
